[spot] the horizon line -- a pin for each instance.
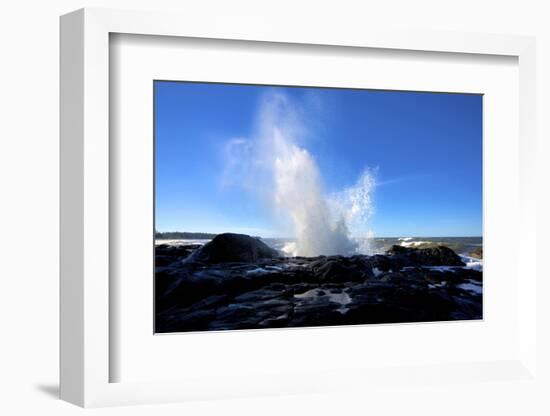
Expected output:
(282, 237)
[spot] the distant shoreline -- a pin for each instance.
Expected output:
(178, 235)
(185, 235)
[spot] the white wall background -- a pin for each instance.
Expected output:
(29, 206)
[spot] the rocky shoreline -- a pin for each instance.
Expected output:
(238, 282)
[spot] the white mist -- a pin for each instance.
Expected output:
(289, 180)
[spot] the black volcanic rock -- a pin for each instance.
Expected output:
(340, 269)
(237, 282)
(432, 256)
(166, 254)
(234, 248)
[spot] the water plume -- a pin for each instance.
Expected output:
(275, 164)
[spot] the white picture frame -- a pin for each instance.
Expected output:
(85, 203)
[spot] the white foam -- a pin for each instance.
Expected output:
(341, 298)
(264, 270)
(408, 243)
(289, 249)
(309, 294)
(472, 286)
(472, 263)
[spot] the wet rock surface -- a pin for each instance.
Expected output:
(240, 283)
(228, 247)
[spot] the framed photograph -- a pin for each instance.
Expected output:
(270, 212)
(309, 220)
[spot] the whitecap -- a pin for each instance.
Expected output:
(409, 243)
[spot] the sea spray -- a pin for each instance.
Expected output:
(355, 206)
(275, 165)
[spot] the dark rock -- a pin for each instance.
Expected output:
(175, 250)
(433, 256)
(258, 295)
(231, 248)
(302, 287)
(182, 321)
(279, 321)
(234, 283)
(383, 264)
(210, 302)
(167, 254)
(252, 314)
(339, 270)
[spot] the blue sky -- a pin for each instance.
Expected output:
(426, 149)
